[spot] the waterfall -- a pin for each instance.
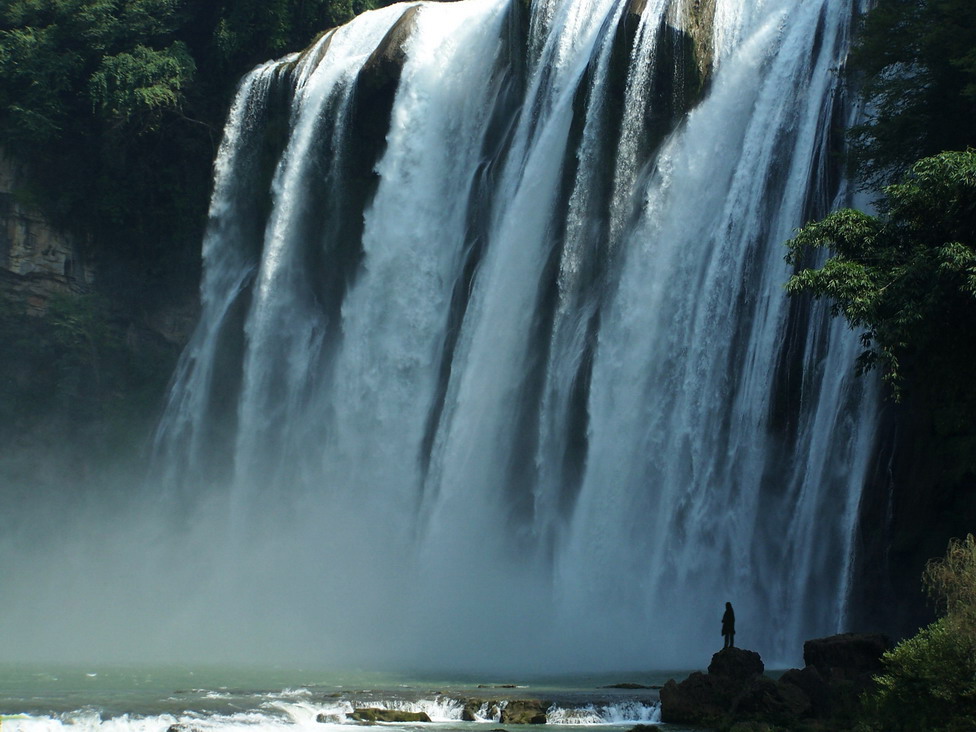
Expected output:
(495, 366)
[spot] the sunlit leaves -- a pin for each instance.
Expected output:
(906, 279)
(930, 679)
(62, 61)
(139, 84)
(115, 107)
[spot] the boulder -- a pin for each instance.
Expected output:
(323, 718)
(737, 664)
(524, 711)
(812, 684)
(701, 699)
(772, 702)
(848, 656)
(372, 715)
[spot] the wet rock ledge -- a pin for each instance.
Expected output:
(735, 695)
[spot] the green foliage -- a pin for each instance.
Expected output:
(54, 53)
(117, 106)
(930, 679)
(916, 63)
(951, 582)
(908, 278)
(929, 683)
(141, 84)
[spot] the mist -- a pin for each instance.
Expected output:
(119, 576)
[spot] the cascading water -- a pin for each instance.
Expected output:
(495, 368)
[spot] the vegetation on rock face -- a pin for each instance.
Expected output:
(115, 108)
(907, 277)
(930, 679)
(118, 104)
(916, 62)
(907, 280)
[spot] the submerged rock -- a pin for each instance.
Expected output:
(323, 718)
(371, 715)
(629, 685)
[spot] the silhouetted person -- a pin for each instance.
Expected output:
(728, 626)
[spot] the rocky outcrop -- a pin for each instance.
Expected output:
(37, 259)
(707, 699)
(701, 699)
(476, 709)
(524, 711)
(507, 711)
(846, 656)
(736, 663)
(771, 702)
(809, 681)
(735, 694)
(695, 18)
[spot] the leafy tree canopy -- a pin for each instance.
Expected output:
(907, 277)
(930, 679)
(916, 64)
(117, 105)
(140, 83)
(58, 59)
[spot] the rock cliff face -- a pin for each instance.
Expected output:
(695, 18)
(37, 259)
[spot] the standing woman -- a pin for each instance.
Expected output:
(728, 626)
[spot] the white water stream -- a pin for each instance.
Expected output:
(538, 423)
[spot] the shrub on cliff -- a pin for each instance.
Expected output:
(930, 679)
